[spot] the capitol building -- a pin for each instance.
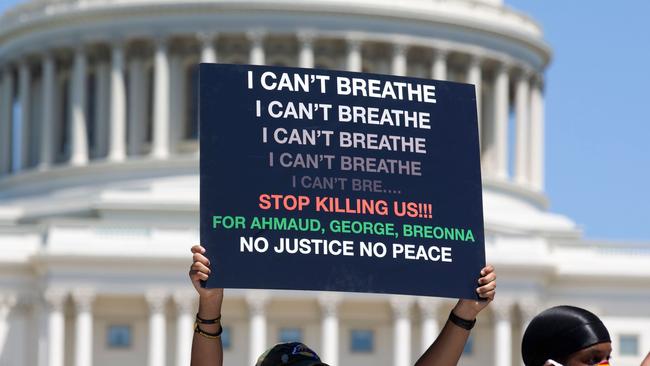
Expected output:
(99, 188)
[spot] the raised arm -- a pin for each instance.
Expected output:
(206, 344)
(448, 347)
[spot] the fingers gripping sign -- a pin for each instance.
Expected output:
(200, 271)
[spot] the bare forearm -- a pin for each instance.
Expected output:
(207, 351)
(447, 348)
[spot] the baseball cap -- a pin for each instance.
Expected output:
(289, 354)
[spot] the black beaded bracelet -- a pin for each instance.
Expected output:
(205, 334)
(463, 323)
(207, 321)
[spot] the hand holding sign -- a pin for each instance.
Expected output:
(445, 351)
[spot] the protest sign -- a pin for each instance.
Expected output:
(329, 180)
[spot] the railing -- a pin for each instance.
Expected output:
(467, 8)
(606, 247)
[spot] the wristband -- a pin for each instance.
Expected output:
(205, 334)
(463, 323)
(207, 321)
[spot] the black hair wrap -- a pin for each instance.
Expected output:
(560, 331)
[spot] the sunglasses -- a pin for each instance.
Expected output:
(601, 363)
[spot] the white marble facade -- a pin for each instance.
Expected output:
(99, 188)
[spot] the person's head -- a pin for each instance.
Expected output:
(567, 335)
(289, 354)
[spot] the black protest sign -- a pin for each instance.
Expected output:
(329, 180)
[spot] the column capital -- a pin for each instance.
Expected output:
(429, 306)
(475, 59)
(156, 299)
(47, 55)
(256, 36)
(525, 72)
(503, 68)
(117, 51)
(79, 48)
(440, 53)
(55, 298)
(185, 301)
(257, 301)
(528, 308)
(23, 67)
(502, 308)
(353, 41)
(160, 41)
(329, 302)
(400, 48)
(306, 36)
(206, 36)
(401, 305)
(537, 80)
(116, 42)
(83, 298)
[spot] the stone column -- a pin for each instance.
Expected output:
(501, 111)
(56, 326)
(502, 333)
(83, 300)
(40, 318)
(537, 134)
(117, 140)
(180, 85)
(47, 116)
(208, 49)
(184, 324)
(474, 76)
(78, 129)
(137, 106)
(354, 58)
(257, 301)
(439, 64)
(257, 55)
(24, 94)
(522, 125)
(157, 336)
(399, 62)
(7, 302)
(161, 123)
(401, 306)
(430, 326)
(6, 120)
(529, 308)
(102, 111)
(329, 303)
(306, 53)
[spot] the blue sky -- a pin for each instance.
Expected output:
(597, 117)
